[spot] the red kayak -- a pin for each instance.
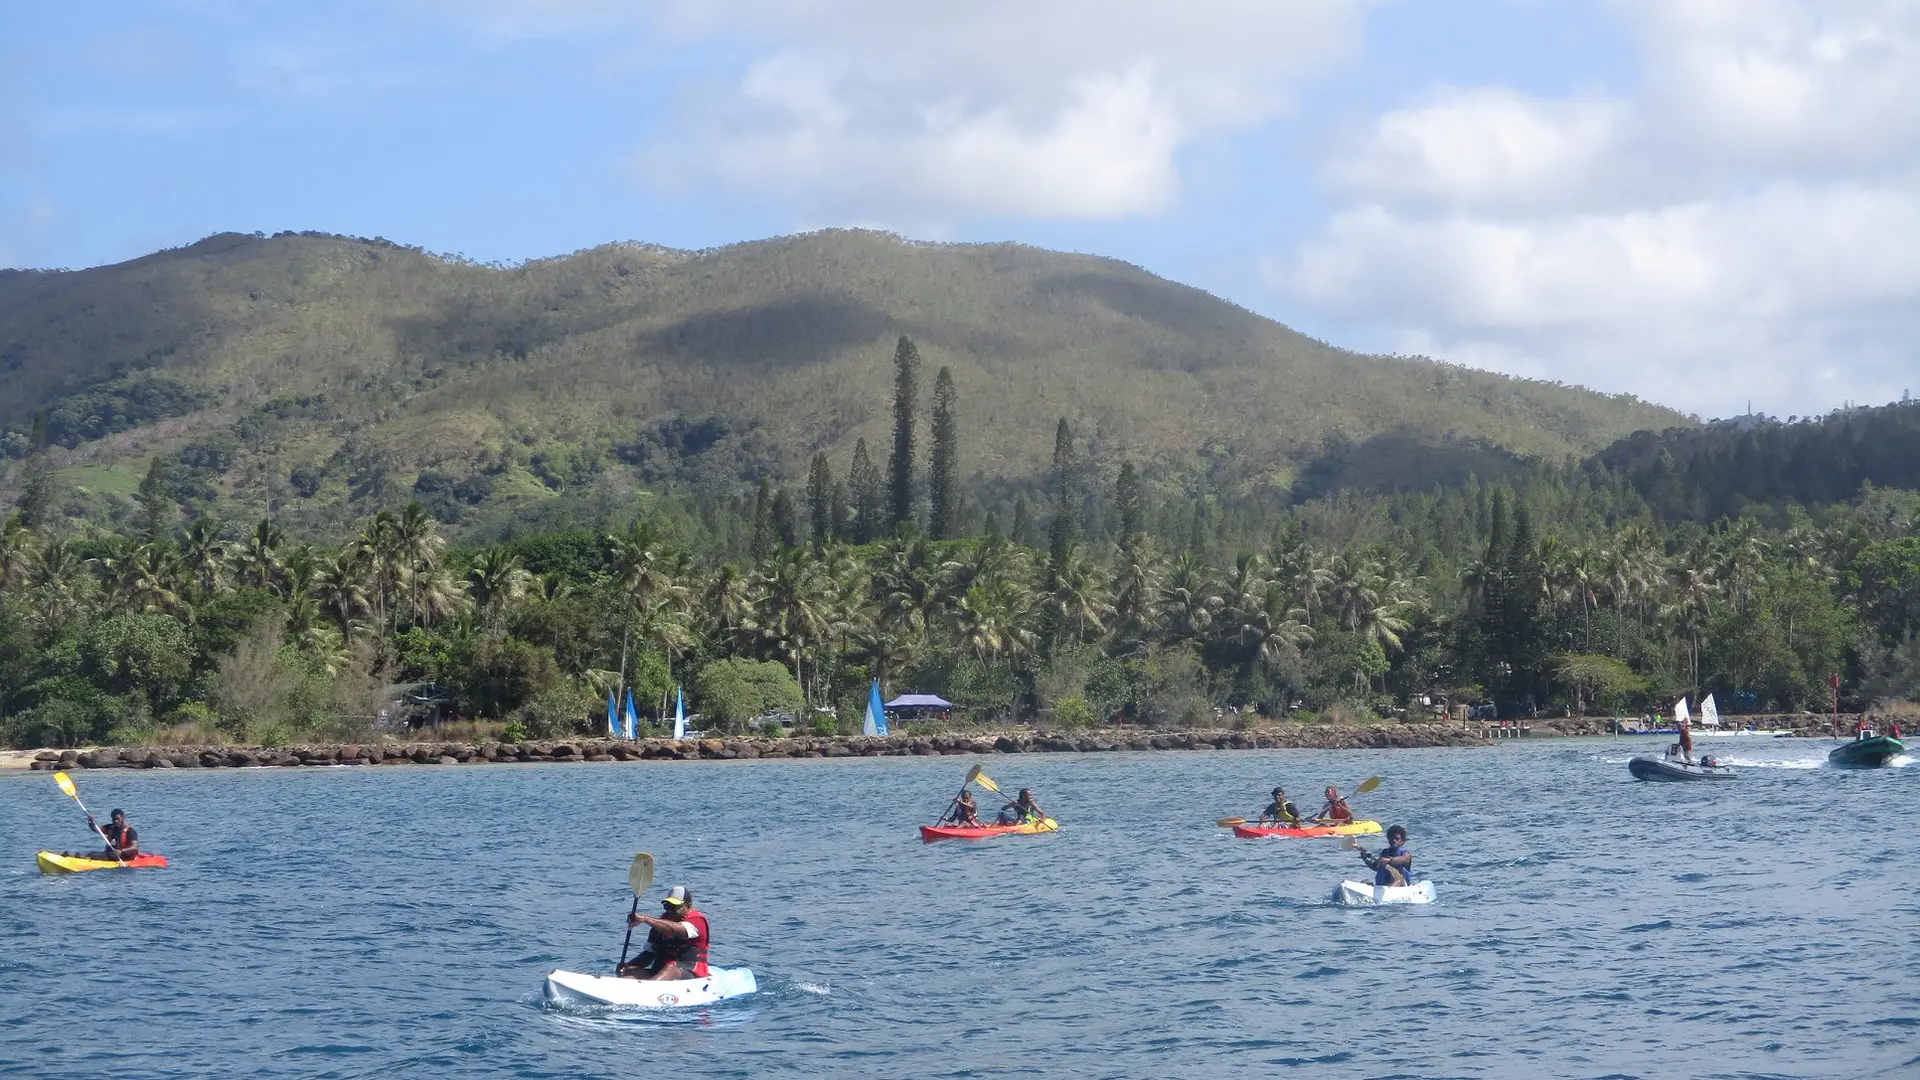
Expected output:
(930, 833)
(1353, 828)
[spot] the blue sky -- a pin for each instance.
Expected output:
(1701, 202)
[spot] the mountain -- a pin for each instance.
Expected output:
(319, 375)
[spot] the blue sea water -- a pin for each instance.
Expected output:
(397, 922)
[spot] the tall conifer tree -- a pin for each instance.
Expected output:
(906, 392)
(820, 500)
(156, 509)
(1065, 531)
(943, 476)
(869, 497)
(1126, 504)
(763, 534)
(786, 518)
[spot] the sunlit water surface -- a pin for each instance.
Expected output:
(397, 922)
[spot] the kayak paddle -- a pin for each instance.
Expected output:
(1365, 786)
(1229, 822)
(66, 785)
(639, 876)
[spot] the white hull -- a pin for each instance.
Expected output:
(574, 988)
(1367, 894)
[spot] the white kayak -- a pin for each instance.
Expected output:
(573, 988)
(1367, 894)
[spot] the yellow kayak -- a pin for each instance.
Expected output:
(54, 862)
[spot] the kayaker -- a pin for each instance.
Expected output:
(1335, 812)
(676, 940)
(1394, 865)
(1281, 811)
(123, 842)
(1021, 810)
(964, 811)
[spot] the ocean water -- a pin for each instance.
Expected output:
(397, 922)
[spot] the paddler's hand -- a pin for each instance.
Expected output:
(636, 919)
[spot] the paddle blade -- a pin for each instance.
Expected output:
(972, 775)
(1367, 785)
(640, 874)
(1227, 822)
(1348, 843)
(66, 785)
(985, 781)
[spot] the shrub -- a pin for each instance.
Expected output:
(565, 709)
(735, 691)
(1072, 712)
(514, 732)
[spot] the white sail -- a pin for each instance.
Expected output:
(1709, 713)
(1680, 713)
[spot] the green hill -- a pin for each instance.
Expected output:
(317, 375)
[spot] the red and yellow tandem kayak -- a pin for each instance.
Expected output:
(1355, 828)
(931, 833)
(54, 862)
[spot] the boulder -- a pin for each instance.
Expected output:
(446, 759)
(47, 755)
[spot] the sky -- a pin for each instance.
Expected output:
(1711, 204)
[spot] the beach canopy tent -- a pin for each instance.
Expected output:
(919, 701)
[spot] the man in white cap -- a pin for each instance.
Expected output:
(676, 940)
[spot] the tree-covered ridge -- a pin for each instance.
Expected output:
(1559, 590)
(1703, 474)
(314, 379)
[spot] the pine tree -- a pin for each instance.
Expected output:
(156, 508)
(36, 483)
(841, 513)
(1126, 503)
(820, 501)
(1022, 531)
(943, 479)
(869, 498)
(763, 534)
(906, 390)
(1065, 531)
(786, 518)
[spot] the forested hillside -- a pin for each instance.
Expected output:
(1556, 587)
(315, 379)
(1701, 474)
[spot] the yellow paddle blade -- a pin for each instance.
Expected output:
(1229, 821)
(640, 874)
(1349, 843)
(66, 785)
(1367, 785)
(986, 781)
(972, 775)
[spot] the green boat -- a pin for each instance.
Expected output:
(1866, 751)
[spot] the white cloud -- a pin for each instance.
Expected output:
(1076, 108)
(1747, 225)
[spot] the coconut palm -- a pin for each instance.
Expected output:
(497, 579)
(1189, 599)
(257, 561)
(204, 555)
(1077, 603)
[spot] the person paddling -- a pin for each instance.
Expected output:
(677, 941)
(964, 812)
(1335, 812)
(1022, 810)
(123, 842)
(1394, 865)
(1281, 811)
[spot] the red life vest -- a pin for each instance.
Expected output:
(699, 920)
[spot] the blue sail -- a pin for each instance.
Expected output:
(679, 714)
(633, 720)
(613, 720)
(876, 721)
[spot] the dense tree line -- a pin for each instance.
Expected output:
(1105, 594)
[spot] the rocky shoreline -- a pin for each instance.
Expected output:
(1294, 736)
(1373, 736)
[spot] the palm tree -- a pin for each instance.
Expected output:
(204, 555)
(1136, 590)
(790, 608)
(1077, 601)
(17, 543)
(996, 620)
(340, 585)
(1188, 598)
(258, 560)
(496, 579)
